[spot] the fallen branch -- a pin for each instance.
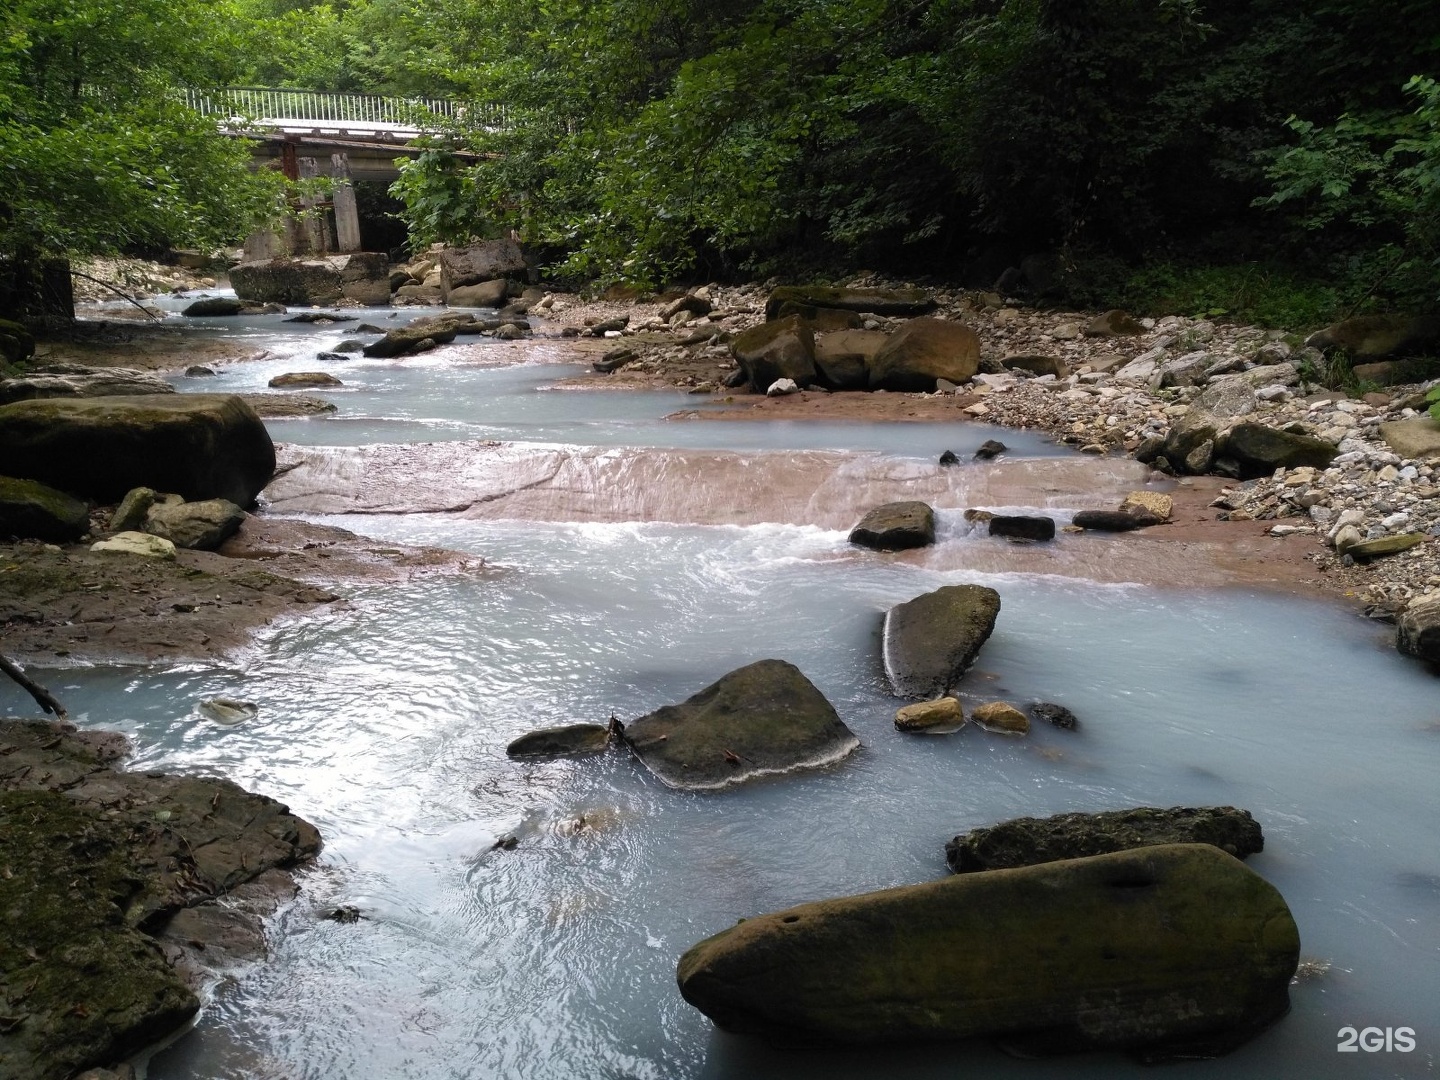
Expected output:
(43, 697)
(117, 292)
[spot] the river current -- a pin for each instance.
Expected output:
(386, 725)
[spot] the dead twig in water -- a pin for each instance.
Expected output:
(117, 292)
(43, 697)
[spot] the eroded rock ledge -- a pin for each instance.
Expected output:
(95, 865)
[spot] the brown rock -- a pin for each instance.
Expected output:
(1001, 716)
(922, 351)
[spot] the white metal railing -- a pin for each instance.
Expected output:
(279, 108)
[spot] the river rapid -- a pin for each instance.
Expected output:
(634, 560)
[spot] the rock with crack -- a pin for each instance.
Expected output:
(763, 719)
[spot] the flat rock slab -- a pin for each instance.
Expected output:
(1162, 951)
(930, 642)
(1417, 438)
(96, 859)
(1029, 841)
(762, 719)
(896, 527)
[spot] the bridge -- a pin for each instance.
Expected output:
(350, 138)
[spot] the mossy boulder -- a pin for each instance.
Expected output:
(781, 349)
(1029, 841)
(34, 511)
(929, 642)
(895, 527)
(762, 719)
(79, 987)
(923, 351)
(1163, 951)
(201, 446)
(897, 302)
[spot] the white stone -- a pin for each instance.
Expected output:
(782, 388)
(137, 543)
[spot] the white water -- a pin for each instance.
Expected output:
(386, 726)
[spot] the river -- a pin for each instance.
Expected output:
(386, 725)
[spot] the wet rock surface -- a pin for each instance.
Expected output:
(1166, 951)
(1029, 841)
(34, 511)
(762, 719)
(73, 381)
(928, 643)
(96, 861)
(572, 740)
(896, 527)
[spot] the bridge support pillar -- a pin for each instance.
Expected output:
(347, 213)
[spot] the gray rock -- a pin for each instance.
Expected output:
(34, 511)
(363, 276)
(1029, 841)
(488, 260)
(1185, 370)
(928, 643)
(1260, 450)
(896, 527)
(782, 388)
(1057, 715)
(1114, 323)
(130, 514)
(759, 720)
(1169, 951)
(203, 525)
(1417, 633)
(989, 450)
(484, 294)
(1036, 365)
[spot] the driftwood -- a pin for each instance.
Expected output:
(43, 697)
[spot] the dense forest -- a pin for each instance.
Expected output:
(1268, 158)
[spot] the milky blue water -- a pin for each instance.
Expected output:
(385, 724)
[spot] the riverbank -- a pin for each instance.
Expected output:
(1100, 408)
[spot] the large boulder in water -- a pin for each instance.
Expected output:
(930, 642)
(201, 446)
(1163, 951)
(923, 351)
(34, 511)
(896, 527)
(761, 719)
(897, 302)
(1029, 841)
(782, 349)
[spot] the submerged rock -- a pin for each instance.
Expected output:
(1028, 841)
(201, 446)
(929, 642)
(228, 711)
(1114, 520)
(938, 717)
(896, 527)
(1001, 716)
(989, 450)
(568, 741)
(32, 510)
(1057, 715)
(761, 719)
(949, 458)
(1165, 951)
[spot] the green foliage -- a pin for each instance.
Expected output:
(1379, 174)
(95, 152)
(1263, 294)
(1433, 397)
